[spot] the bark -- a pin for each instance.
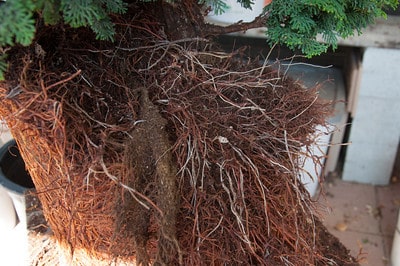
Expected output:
(149, 153)
(185, 19)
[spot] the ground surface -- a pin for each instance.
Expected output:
(363, 217)
(43, 248)
(235, 127)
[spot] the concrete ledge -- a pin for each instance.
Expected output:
(375, 131)
(385, 33)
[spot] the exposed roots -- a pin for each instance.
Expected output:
(166, 152)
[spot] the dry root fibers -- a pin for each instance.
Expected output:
(166, 152)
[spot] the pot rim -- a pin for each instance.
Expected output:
(4, 181)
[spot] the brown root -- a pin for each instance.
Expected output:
(166, 152)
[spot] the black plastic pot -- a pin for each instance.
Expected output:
(14, 178)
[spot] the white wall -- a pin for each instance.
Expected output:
(375, 131)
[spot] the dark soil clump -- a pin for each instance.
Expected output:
(167, 151)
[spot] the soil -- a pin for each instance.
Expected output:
(43, 247)
(150, 143)
(165, 149)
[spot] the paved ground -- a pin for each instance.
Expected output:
(363, 217)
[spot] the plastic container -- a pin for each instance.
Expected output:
(8, 217)
(5, 134)
(14, 179)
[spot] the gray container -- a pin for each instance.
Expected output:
(14, 178)
(8, 217)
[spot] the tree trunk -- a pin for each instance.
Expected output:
(159, 150)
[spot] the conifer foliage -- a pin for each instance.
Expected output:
(18, 19)
(294, 23)
(159, 147)
(297, 23)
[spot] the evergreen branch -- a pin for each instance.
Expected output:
(295, 23)
(218, 6)
(258, 22)
(17, 23)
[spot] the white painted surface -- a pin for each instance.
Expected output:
(19, 205)
(14, 246)
(13, 228)
(395, 254)
(236, 12)
(8, 217)
(375, 131)
(312, 171)
(5, 134)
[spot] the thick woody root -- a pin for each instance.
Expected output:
(166, 153)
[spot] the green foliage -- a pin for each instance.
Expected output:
(78, 13)
(218, 6)
(3, 65)
(16, 22)
(246, 3)
(51, 11)
(18, 25)
(297, 23)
